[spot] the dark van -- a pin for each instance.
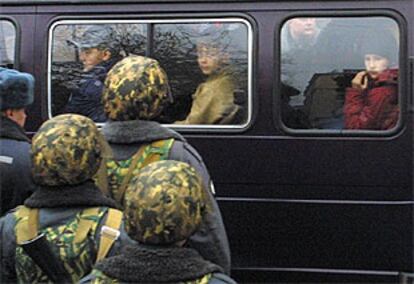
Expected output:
(314, 172)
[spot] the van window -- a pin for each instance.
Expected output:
(207, 63)
(77, 69)
(340, 73)
(7, 43)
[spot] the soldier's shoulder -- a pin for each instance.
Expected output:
(183, 151)
(221, 278)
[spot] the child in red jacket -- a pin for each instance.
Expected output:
(372, 101)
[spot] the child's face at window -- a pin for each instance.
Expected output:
(91, 57)
(210, 59)
(375, 64)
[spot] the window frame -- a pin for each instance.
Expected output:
(17, 29)
(403, 87)
(200, 18)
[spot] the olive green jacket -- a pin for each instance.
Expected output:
(213, 101)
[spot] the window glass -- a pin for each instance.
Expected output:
(207, 66)
(207, 63)
(7, 43)
(78, 67)
(340, 73)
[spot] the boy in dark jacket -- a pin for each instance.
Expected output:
(372, 101)
(16, 93)
(98, 52)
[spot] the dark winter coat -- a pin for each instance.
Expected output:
(15, 178)
(151, 264)
(375, 108)
(86, 99)
(126, 137)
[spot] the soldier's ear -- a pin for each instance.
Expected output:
(106, 55)
(8, 113)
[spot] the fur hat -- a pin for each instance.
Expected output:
(213, 34)
(16, 89)
(382, 44)
(98, 36)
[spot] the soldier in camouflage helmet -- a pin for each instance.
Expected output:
(66, 150)
(164, 207)
(66, 153)
(164, 203)
(136, 92)
(136, 88)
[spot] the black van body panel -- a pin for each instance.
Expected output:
(298, 206)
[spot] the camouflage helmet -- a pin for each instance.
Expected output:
(66, 150)
(164, 203)
(135, 88)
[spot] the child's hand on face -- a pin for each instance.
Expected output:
(360, 80)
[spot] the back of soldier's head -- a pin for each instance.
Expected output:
(136, 88)
(66, 150)
(164, 203)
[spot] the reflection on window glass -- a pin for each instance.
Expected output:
(82, 54)
(7, 43)
(340, 73)
(207, 67)
(206, 63)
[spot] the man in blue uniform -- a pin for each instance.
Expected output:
(16, 93)
(98, 52)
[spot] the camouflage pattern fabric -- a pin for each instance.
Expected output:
(118, 170)
(78, 257)
(100, 278)
(135, 88)
(164, 203)
(66, 150)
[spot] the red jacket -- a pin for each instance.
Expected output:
(376, 107)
